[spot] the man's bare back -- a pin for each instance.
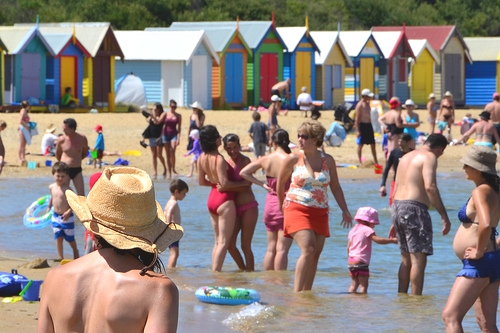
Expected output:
(89, 306)
(494, 109)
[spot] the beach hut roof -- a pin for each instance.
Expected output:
(16, 38)
(219, 37)
(388, 41)
(58, 42)
(437, 36)
(326, 40)
(355, 41)
(89, 34)
(3, 47)
(253, 32)
(484, 48)
(163, 44)
(419, 45)
(293, 35)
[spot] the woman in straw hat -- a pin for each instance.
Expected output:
(475, 244)
(130, 230)
(214, 171)
(48, 145)
(196, 121)
(432, 112)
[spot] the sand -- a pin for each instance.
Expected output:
(122, 132)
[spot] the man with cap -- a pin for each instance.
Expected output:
(304, 101)
(494, 109)
(363, 125)
(72, 148)
(415, 190)
(117, 288)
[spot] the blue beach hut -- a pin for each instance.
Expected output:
(182, 73)
(299, 60)
(3, 51)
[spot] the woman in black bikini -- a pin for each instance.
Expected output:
(392, 124)
(446, 114)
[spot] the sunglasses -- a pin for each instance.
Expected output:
(303, 136)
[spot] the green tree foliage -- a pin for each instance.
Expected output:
(473, 17)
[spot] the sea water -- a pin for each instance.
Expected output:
(327, 308)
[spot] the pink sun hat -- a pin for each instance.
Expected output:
(367, 214)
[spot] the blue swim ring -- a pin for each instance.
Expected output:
(227, 295)
(37, 216)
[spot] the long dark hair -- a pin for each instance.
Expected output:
(208, 137)
(492, 180)
(231, 137)
(159, 106)
(281, 138)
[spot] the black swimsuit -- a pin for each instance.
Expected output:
(394, 129)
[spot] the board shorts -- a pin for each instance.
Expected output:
(62, 228)
(259, 149)
(358, 269)
(299, 217)
(100, 153)
(413, 226)
(367, 136)
(486, 267)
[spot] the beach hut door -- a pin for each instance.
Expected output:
(30, 75)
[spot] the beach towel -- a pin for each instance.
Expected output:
(10, 284)
(26, 134)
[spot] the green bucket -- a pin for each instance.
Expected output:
(93, 154)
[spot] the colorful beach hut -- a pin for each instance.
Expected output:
(299, 61)
(65, 68)
(365, 55)
(452, 51)
(422, 70)
(228, 76)
(482, 78)
(3, 51)
(394, 67)
(331, 63)
(182, 73)
(99, 69)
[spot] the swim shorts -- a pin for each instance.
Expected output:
(259, 149)
(100, 153)
(413, 226)
(367, 136)
(497, 127)
(486, 267)
(358, 269)
(73, 172)
(174, 244)
(275, 92)
(62, 228)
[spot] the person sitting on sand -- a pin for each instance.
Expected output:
(485, 132)
(119, 287)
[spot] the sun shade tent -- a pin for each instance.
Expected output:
(130, 91)
(172, 64)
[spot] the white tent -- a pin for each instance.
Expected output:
(130, 91)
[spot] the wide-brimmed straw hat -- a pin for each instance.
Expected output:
(197, 105)
(50, 129)
(481, 158)
(121, 208)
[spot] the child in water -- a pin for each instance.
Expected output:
(179, 189)
(63, 224)
(359, 248)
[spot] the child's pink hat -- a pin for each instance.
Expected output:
(367, 214)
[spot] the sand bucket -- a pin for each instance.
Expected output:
(378, 169)
(48, 163)
(33, 292)
(93, 154)
(31, 165)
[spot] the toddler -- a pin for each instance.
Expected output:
(359, 247)
(196, 150)
(63, 218)
(99, 146)
(179, 189)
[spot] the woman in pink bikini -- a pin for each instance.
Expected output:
(24, 125)
(305, 206)
(171, 135)
(214, 171)
(247, 210)
(276, 257)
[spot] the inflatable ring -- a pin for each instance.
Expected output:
(227, 295)
(37, 216)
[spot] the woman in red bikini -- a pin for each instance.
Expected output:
(214, 171)
(247, 210)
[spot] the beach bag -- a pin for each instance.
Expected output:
(33, 128)
(10, 284)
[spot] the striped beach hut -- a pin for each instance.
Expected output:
(230, 75)
(331, 63)
(395, 65)
(452, 51)
(3, 51)
(482, 78)
(25, 63)
(65, 68)
(422, 70)
(182, 73)
(299, 60)
(365, 55)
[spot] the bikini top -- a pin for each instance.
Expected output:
(462, 214)
(307, 190)
(484, 134)
(235, 173)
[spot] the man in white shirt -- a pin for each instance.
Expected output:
(304, 101)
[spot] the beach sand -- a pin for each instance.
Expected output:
(122, 132)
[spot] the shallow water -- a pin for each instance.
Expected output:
(328, 308)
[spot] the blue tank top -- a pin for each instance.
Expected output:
(410, 130)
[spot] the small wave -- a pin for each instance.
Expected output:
(250, 318)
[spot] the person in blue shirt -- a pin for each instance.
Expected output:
(98, 147)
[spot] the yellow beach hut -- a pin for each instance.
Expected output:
(422, 70)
